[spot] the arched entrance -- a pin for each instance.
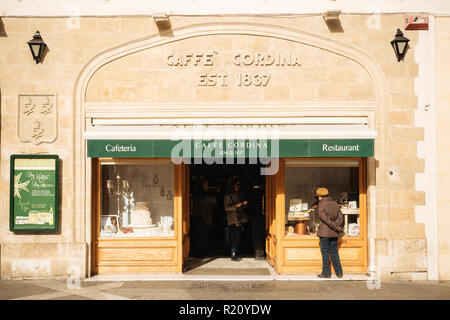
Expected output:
(102, 109)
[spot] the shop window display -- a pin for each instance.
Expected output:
(136, 200)
(301, 181)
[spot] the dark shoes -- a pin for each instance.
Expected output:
(234, 257)
(329, 275)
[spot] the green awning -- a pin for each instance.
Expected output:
(230, 148)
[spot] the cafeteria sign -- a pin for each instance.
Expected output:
(233, 148)
(34, 193)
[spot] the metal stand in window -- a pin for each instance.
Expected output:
(117, 188)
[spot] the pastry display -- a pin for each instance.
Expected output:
(353, 230)
(296, 211)
(140, 197)
(126, 230)
(141, 216)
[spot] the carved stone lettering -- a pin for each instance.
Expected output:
(266, 59)
(241, 60)
(37, 119)
(191, 59)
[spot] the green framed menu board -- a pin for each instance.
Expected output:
(34, 193)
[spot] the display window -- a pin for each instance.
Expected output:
(136, 199)
(341, 177)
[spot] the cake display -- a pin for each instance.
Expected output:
(141, 216)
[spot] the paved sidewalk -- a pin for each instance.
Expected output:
(222, 290)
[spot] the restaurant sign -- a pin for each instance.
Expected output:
(34, 193)
(189, 149)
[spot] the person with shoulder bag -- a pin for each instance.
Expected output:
(236, 216)
(330, 229)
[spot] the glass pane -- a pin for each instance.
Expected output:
(401, 47)
(137, 200)
(302, 218)
(36, 48)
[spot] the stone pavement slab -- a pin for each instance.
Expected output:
(222, 290)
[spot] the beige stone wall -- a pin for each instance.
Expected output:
(142, 77)
(147, 76)
(69, 50)
(443, 143)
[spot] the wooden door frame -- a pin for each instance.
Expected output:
(275, 216)
(160, 244)
(271, 225)
(95, 210)
(182, 175)
(182, 182)
(283, 243)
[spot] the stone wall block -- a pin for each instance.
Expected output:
(142, 25)
(125, 94)
(401, 118)
(360, 92)
(408, 135)
(409, 255)
(403, 101)
(395, 70)
(401, 86)
(332, 92)
(402, 215)
(305, 92)
(402, 149)
(276, 93)
(407, 198)
(407, 230)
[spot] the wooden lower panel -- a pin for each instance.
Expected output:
(314, 254)
(302, 254)
(137, 269)
(305, 257)
(350, 254)
(316, 269)
(136, 243)
(136, 254)
(122, 256)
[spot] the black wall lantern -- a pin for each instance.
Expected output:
(400, 45)
(37, 47)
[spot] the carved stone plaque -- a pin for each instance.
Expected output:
(37, 118)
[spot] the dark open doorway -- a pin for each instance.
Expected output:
(211, 241)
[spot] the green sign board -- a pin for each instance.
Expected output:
(230, 148)
(34, 193)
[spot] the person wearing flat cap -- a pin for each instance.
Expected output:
(330, 228)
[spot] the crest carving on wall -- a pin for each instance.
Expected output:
(37, 118)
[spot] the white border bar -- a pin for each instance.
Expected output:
(203, 7)
(231, 121)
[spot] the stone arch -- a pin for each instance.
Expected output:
(82, 167)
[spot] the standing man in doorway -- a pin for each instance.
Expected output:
(203, 220)
(257, 218)
(330, 229)
(236, 215)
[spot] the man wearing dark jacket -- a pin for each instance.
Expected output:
(330, 228)
(236, 216)
(202, 221)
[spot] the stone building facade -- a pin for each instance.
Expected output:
(123, 67)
